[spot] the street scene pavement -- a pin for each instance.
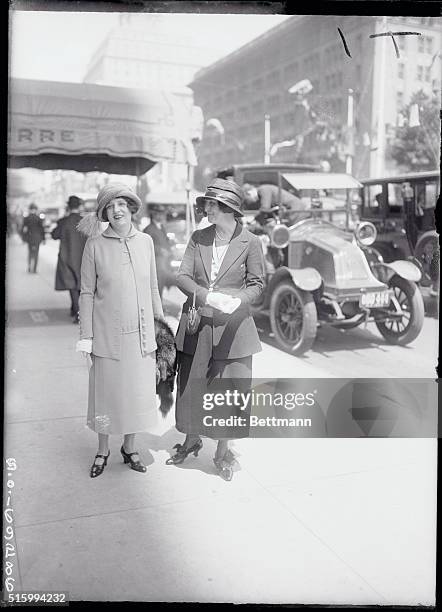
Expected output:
(331, 521)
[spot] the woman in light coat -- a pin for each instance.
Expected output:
(223, 268)
(118, 302)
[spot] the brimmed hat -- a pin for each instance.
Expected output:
(74, 202)
(91, 224)
(115, 190)
(225, 192)
(156, 208)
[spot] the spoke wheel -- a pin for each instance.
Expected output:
(408, 327)
(293, 318)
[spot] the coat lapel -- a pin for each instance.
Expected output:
(206, 250)
(236, 247)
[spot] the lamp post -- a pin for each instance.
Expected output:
(350, 140)
(267, 145)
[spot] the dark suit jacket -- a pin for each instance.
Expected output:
(67, 275)
(241, 274)
(33, 231)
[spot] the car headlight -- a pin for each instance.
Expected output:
(280, 236)
(366, 233)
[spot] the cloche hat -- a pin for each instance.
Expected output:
(225, 192)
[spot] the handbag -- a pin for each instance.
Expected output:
(193, 318)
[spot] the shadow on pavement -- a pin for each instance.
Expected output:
(34, 317)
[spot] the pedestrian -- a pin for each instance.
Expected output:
(222, 271)
(163, 248)
(118, 302)
(268, 196)
(33, 234)
(67, 275)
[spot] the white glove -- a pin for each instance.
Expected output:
(231, 305)
(84, 346)
(226, 303)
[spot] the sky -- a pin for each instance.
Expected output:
(57, 46)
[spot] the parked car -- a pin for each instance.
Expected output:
(328, 274)
(403, 210)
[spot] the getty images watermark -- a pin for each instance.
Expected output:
(328, 408)
(232, 398)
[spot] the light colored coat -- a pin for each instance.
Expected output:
(241, 275)
(101, 291)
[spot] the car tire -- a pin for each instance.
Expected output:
(410, 298)
(427, 252)
(288, 300)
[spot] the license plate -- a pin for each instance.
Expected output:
(375, 299)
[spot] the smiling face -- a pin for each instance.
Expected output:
(119, 215)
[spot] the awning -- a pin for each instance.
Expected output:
(321, 180)
(86, 127)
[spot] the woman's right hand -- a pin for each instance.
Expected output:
(84, 347)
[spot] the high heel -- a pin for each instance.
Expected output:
(225, 465)
(135, 465)
(182, 452)
(97, 469)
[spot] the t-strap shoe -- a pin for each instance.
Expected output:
(98, 468)
(134, 465)
(225, 465)
(182, 452)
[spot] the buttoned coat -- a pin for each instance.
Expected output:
(101, 291)
(241, 275)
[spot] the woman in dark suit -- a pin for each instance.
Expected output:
(223, 268)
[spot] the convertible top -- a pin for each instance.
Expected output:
(321, 180)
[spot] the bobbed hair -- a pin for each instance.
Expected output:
(131, 205)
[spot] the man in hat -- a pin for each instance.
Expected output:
(33, 234)
(268, 196)
(163, 248)
(67, 275)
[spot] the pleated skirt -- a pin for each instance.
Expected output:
(122, 398)
(200, 374)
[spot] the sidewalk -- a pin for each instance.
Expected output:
(332, 521)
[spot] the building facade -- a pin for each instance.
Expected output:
(140, 53)
(240, 89)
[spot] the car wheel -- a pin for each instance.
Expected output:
(293, 318)
(404, 330)
(428, 254)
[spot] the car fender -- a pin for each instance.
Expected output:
(307, 279)
(405, 269)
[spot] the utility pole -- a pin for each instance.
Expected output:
(267, 139)
(350, 136)
(380, 153)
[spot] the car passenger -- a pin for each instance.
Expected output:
(293, 209)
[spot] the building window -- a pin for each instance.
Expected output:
(428, 44)
(400, 70)
(400, 99)
(428, 74)
(420, 73)
(435, 84)
(402, 42)
(421, 43)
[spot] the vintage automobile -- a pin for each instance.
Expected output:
(328, 274)
(402, 208)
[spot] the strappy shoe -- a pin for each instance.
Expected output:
(182, 452)
(225, 464)
(98, 468)
(134, 465)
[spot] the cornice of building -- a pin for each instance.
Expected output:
(297, 21)
(256, 42)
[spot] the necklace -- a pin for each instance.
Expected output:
(221, 238)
